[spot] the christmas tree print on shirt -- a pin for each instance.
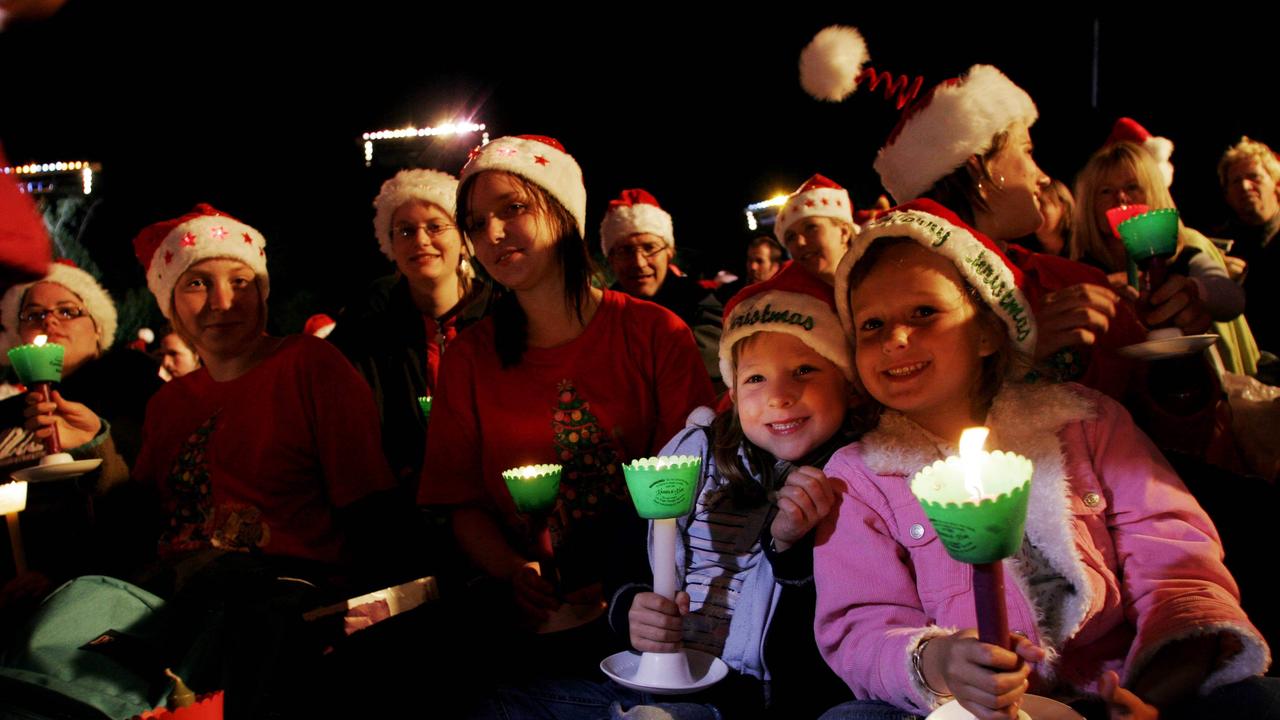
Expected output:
(591, 483)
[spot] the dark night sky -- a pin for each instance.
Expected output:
(261, 115)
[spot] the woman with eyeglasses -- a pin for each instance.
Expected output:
(105, 393)
(71, 309)
(397, 332)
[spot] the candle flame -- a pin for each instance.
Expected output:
(972, 441)
(40, 340)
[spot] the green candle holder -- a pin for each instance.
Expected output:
(663, 487)
(37, 363)
(424, 402)
(1150, 234)
(534, 488)
(977, 531)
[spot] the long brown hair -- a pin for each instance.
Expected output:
(958, 192)
(511, 328)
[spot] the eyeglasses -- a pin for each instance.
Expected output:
(409, 232)
(34, 318)
(647, 251)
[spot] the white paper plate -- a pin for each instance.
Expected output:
(1034, 707)
(707, 670)
(61, 471)
(1168, 347)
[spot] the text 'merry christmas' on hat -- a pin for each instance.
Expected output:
(980, 262)
(939, 131)
(793, 302)
(428, 186)
(167, 248)
(542, 161)
(817, 197)
(97, 301)
(634, 212)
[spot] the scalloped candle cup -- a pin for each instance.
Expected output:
(981, 531)
(424, 403)
(1151, 234)
(663, 487)
(1120, 213)
(534, 488)
(37, 363)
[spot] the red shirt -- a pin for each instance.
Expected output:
(263, 461)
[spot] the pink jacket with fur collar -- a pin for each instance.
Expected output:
(1106, 511)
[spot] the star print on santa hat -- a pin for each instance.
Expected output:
(809, 203)
(168, 256)
(217, 232)
(247, 239)
(189, 240)
(540, 160)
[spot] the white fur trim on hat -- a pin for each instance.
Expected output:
(623, 221)
(95, 298)
(539, 162)
(201, 238)
(986, 271)
(957, 120)
(825, 202)
(429, 186)
(792, 302)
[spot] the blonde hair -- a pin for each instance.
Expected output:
(1087, 238)
(1248, 149)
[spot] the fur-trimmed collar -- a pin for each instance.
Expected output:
(1024, 419)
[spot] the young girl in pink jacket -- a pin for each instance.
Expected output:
(1118, 598)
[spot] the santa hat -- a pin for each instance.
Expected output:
(632, 213)
(65, 273)
(542, 161)
(428, 186)
(980, 262)
(1129, 130)
(817, 197)
(793, 302)
(319, 325)
(956, 120)
(167, 248)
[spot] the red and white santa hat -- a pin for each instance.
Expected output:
(794, 302)
(1161, 148)
(939, 132)
(819, 196)
(167, 248)
(980, 262)
(540, 160)
(633, 212)
(97, 301)
(429, 186)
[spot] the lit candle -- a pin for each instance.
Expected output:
(972, 441)
(38, 366)
(13, 500)
(977, 504)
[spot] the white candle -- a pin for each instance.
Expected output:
(972, 441)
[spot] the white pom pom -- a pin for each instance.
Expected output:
(829, 65)
(146, 335)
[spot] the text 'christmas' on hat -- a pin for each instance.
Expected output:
(540, 160)
(793, 302)
(65, 273)
(167, 248)
(428, 186)
(817, 197)
(632, 213)
(1129, 130)
(980, 262)
(956, 120)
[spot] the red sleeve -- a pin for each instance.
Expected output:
(348, 437)
(680, 377)
(451, 468)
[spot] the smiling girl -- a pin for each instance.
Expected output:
(816, 226)
(1118, 593)
(561, 372)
